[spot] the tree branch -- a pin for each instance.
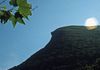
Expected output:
(34, 8)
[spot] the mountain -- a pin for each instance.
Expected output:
(70, 48)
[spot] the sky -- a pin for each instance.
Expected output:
(18, 44)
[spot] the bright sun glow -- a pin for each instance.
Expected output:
(91, 23)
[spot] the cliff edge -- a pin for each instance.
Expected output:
(70, 48)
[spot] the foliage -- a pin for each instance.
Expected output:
(21, 10)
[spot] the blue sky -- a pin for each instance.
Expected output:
(18, 44)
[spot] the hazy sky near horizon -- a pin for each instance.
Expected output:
(18, 44)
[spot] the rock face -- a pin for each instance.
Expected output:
(70, 48)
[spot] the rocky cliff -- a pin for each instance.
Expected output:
(70, 48)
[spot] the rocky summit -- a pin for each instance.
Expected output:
(70, 48)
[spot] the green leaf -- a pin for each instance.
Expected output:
(1, 13)
(24, 8)
(4, 7)
(27, 17)
(24, 11)
(21, 2)
(13, 2)
(20, 20)
(14, 20)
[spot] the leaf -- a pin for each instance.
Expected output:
(1, 13)
(13, 2)
(5, 15)
(10, 2)
(21, 2)
(24, 11)
(14, 20)
(18, 15)
(4, 7)
(24, 8)
(20, 20)
(27, 17)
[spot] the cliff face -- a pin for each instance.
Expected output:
(70, 48)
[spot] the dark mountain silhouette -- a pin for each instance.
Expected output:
(70, 48)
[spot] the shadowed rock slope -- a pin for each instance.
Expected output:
(70, 48)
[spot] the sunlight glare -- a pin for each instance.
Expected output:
(91, 23)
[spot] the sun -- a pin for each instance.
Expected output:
(91, 23)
